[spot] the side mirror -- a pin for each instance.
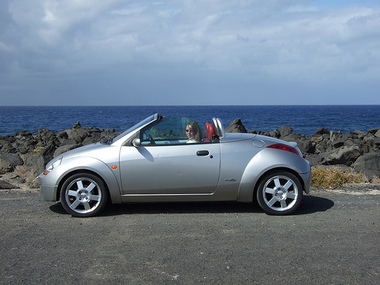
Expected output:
(136, 142)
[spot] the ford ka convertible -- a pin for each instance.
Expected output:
(164, 159)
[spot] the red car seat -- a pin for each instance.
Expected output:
(210, 132)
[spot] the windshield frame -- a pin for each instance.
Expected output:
(136, 127)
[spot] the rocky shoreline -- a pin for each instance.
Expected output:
(24, 155)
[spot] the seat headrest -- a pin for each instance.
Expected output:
(210, 132)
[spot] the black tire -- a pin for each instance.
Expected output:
(84, 195)
(279, 193)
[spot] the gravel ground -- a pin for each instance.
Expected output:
(332, 239)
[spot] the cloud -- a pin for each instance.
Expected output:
(50, 45)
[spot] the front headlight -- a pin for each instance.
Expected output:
(52, 164)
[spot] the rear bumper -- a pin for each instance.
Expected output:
(307, 182)
(306, 177)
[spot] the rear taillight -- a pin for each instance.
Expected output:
(285, 147)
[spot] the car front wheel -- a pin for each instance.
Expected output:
(84, 195)
(279, 193)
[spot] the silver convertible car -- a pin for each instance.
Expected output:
(164, 159)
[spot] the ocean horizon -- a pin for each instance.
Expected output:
(304, 119)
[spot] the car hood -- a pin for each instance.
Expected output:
(84, 150)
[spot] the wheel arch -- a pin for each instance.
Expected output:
(74, 172)
(268, 161)
(272, 171)
(103, 173)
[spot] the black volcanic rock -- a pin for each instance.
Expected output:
(236, 126)
(24, 155)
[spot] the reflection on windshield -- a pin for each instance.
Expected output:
(135, 127)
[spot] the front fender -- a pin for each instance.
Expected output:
(267, 160)
(87, 164)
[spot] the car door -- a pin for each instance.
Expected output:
(185, 169)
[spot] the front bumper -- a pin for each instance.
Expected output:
(48, 191)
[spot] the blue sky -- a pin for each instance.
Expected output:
(211, 52)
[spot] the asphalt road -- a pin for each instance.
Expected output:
(332, 239)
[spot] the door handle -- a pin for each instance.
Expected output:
(202, 152)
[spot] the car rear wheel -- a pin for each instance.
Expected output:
(84, 195)
(279, 193)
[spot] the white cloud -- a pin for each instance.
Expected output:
(245, 42)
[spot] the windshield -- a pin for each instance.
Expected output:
(136, 127)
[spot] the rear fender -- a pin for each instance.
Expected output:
(267, 160)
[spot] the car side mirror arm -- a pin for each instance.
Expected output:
(136, 142)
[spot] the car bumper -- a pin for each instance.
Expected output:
(307, 182)
(48, 191)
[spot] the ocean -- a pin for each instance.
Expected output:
(303, 119)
